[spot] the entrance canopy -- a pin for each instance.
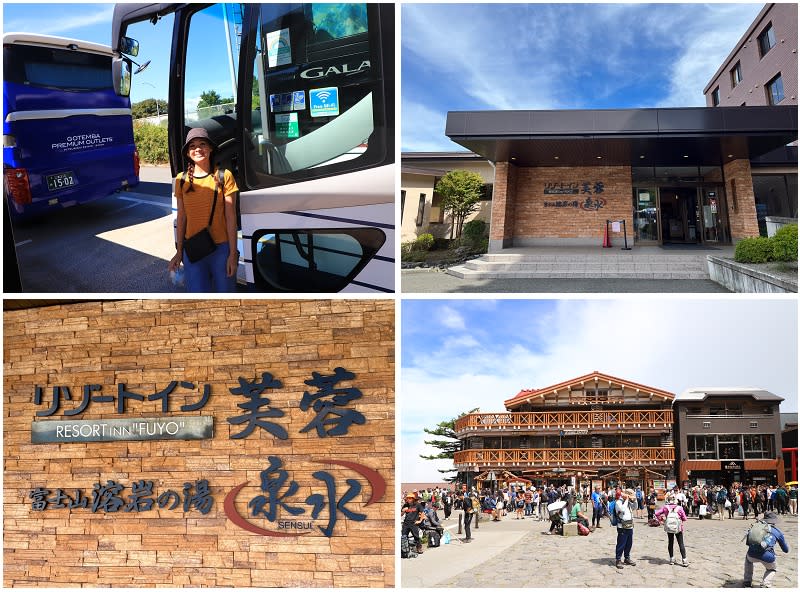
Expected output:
(616, 137)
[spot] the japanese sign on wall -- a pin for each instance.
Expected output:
(587, 190)
(326, 402)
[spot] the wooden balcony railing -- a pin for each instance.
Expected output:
(543, 420)
(539, 457)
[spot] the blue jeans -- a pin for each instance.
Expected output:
(624, 543)
(209, 274)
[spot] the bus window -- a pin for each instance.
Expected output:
(209, 89)
(316, 71)
(313, 260)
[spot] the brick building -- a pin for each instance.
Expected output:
(762, 70)
(193, 443)
(591, 430)
(672, 175)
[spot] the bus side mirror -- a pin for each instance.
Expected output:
(121, 71)
(128, 46)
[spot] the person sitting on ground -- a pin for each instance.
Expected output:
(576, 515)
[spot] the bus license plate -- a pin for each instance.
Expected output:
(60, 181)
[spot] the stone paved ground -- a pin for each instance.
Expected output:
(532, 559)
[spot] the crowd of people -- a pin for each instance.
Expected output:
(619, 506)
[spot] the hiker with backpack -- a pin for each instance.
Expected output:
(672, 516)
(761, 540)
(469, 509)
(413, 512)
(206, 219)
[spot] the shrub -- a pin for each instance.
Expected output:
(474, 231)
(424, 242)
(784, 243)
(754, 250)
(151, 141)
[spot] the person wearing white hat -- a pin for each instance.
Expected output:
(206, 219)
(624, 516)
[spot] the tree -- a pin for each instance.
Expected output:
(448, 448)
(209, 98)
(460, 191)
(147, 108)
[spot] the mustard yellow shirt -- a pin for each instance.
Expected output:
(197, 204)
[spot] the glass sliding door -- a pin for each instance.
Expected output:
(645, 214)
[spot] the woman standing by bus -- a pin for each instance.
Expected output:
(206, 204)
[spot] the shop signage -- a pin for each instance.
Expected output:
(328, 403)
(110, 430)
(575, 432)
(591, 203)
(731, 465)
(278, 501)
(574, 188)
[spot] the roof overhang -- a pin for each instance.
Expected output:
(699, 394)
(705, 136)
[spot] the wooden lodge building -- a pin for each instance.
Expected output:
(592, 430)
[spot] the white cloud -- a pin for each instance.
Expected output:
(451, 318)
(63, 23)
(423, 129)
(707, 42)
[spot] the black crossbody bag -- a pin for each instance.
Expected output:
(202, 244)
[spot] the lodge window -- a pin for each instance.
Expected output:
(776, 195)
(596, 395)
(486, 191)
(707, 425)
(701, 447)
(759, 446)
(753, 424)
(726, 409)
(736, 74)
(774, 90)
(766, 40)
(421, 209)
(694, 411)
(715, 97)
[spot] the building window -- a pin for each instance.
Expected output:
(715, 97)
(759, 446)
(775, 90)
(421, 209)
(701, 447)
(707, 425)
(736, 74)
(694, 411)
(486, 191)
(730, 447)
(766, 40)
(437, 211)
(402, 203)
(753, 424)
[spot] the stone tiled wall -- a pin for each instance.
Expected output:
(741, 199)
(147, 344)
(534, 220)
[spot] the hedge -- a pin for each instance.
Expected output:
(151, 141)
(781, 247)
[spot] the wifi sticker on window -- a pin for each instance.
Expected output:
(324, 102)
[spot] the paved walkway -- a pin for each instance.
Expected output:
(517, 554)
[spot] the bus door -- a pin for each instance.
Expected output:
(299, 98)
(68, 137)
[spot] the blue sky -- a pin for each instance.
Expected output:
(460, 354)
(92, 22)
(557, 56)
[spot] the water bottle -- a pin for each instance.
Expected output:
(178, 277)
(769, 541)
